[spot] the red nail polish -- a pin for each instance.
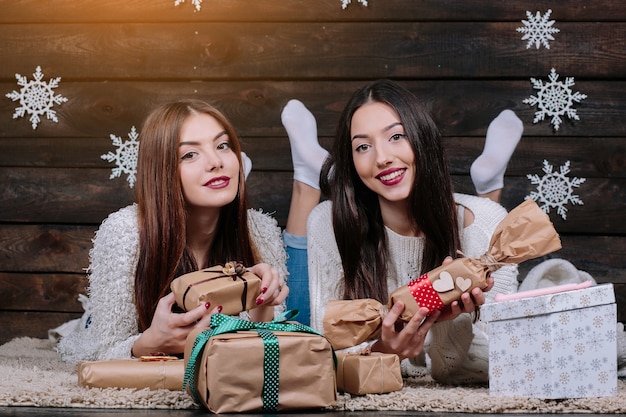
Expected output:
(263, 290)
(219, 309)
(207, 305)
(259, 300)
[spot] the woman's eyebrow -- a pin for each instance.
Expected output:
(385, 129)
(195, 142)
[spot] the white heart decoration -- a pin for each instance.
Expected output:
(464, 284)
(444, 283)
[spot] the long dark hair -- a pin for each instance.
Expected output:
(357, 221)
(163, 252)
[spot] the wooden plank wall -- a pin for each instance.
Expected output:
(118, 59)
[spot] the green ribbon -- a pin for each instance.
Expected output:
(221, 323)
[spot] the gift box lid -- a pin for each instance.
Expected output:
(549, 303)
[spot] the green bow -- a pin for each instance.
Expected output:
(221, 324)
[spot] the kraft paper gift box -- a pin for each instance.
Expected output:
(259, 369)
(368, 373)
(558, 345)
(132, 373)
(232, 286)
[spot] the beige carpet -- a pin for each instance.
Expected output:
(31, 374)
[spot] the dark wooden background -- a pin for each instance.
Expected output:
(117, 59)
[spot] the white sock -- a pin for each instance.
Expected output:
(552, 272)
(503, 134)
(306, 153)
(247, 165)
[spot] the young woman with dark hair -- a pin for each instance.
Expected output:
(391, 215)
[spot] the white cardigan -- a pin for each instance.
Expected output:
(112, 328)
(457, 350)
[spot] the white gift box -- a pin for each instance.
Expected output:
(560, 345)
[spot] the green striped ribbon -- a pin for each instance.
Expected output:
(221, 324)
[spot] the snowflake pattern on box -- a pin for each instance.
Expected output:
(125, 157)
(538, 30)
(344, 3)
(561, 345)
(555, 99)
(196, 3)
(36, 98)
(555, 189)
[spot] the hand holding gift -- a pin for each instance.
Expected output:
(525, 233)
(232, 286)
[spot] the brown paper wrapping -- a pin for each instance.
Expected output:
(350, 322)
(525, 233)
(229, 377)
(373, 373)
(231, 286)
(132, 373)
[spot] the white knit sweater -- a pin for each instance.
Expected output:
(457, 350)
(113, 327)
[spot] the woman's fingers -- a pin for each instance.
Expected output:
(274, 289)
(408, 340)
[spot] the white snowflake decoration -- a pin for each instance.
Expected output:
(538, 30)
(555, 189)
(36, 98)
(196, 3)
(555, 99)
(125, 157)
(344, 3)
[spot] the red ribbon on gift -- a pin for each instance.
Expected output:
(424, 294)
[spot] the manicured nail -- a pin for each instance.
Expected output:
(263, 290)
(259, 300)
(219, 309)
(207, 305)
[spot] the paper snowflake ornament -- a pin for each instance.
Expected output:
(125, 157)
(538, 30)
(555, 189)
(196, 3)
(344, 3)
(36, 98)
(555, 99)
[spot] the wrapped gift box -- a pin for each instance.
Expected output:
(229, 376)
(559, 345)
(372, 373)
(232, 286)
(132, 373)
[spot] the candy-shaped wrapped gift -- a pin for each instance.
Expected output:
(232, 286)
(525, 233)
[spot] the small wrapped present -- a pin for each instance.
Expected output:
(164, 372)
(350, 322)
(368, 373)
(232, 286)
(525, 233)
(242, 366)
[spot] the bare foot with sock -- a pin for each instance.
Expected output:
(306, 153)
(503, 135)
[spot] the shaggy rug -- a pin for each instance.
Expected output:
(33, 375)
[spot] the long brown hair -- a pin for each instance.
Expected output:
(163, 252)
(357, 220)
